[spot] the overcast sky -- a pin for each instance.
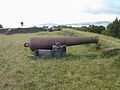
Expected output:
(35, 12)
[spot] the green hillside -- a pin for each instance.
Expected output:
(84, 67)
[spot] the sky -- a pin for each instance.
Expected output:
(35, 12)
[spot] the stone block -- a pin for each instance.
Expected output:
(44, 53)
(57, 51)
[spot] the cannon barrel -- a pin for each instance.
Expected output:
(47, 42)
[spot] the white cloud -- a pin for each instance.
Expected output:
(108, 7)
(34, 12)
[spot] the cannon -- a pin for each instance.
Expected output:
(57, 45)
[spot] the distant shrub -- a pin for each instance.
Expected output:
(96, 29)
(90, 28)
(1, 26)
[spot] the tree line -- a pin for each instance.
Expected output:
(113, 29)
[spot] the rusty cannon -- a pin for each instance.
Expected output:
(56, 46)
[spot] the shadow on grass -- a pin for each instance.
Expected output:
(82, 56)
(116, 61)
(67, 57)
(110, 54)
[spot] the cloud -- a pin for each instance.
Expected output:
(108, 7)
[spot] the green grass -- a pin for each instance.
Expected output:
(83, 68)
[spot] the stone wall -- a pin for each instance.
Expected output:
(22, 30)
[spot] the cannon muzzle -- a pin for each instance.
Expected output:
(47, 42)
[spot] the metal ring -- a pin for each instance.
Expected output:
(26, 45)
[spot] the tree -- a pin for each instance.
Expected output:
(1, 26)
(113, 29)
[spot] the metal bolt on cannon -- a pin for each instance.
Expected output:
(56, 46)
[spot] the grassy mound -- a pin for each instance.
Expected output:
(84, 67)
